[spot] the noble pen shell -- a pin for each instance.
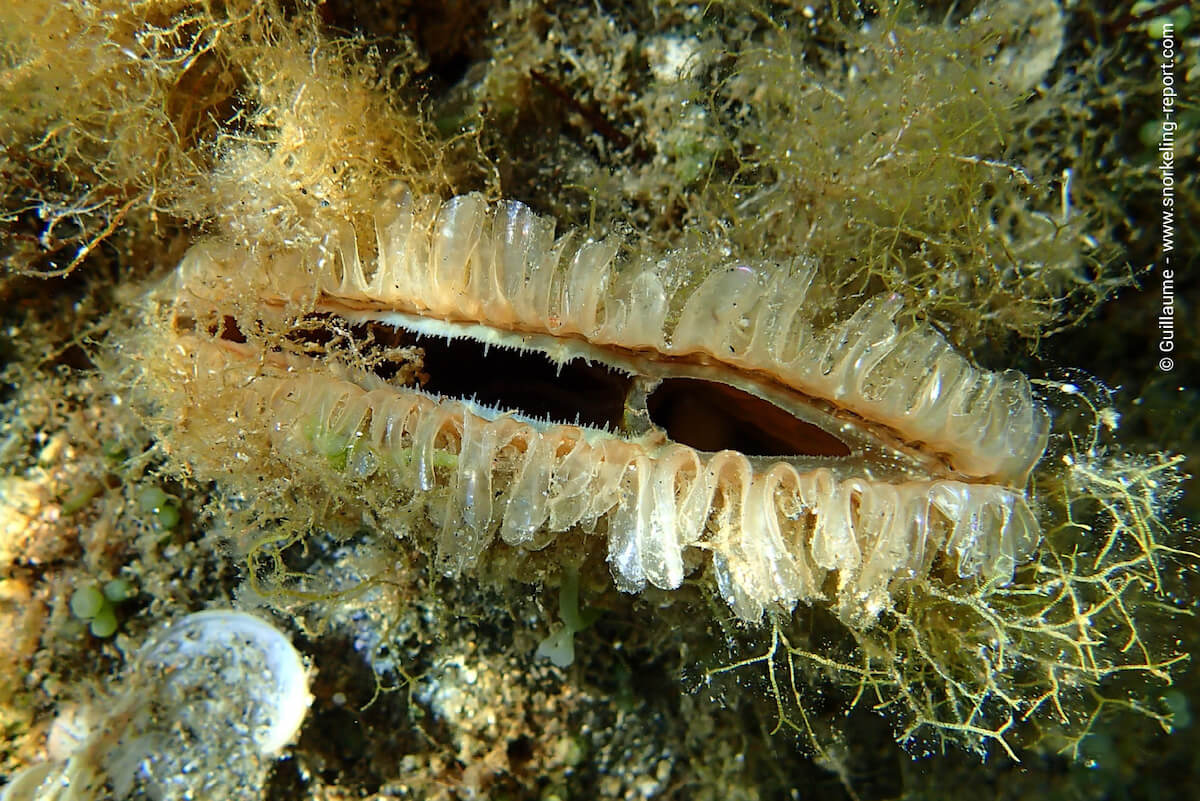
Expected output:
(501, 266)
(943, 483)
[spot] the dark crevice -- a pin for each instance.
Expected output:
(230, 331)
(706, 415)
(711, 416)
(527, 382)
(524, 382)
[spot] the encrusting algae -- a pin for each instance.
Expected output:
(726, 399)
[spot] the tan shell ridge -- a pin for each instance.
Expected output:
(777, 534)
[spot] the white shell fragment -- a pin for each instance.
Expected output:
(204, 709)
(23, 785)
(259, 663)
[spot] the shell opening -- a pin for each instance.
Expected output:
(711, 416)
(524, 380)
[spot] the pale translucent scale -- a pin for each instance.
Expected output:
(607, 491)
(389, 420)
(787, 338)
(834, 546)
(512, 228)
(775, 573)
(954, 501)
(712, 317)
(945, 376)
(891, 382)
(564, 249)
(663, 555)
(475, 460)
(395, 244)
(459, 546)
(882, 537)
(624, 535)
(612, 320)
(693, 496)
(1021, 529)
(587, 277)
(733, 589)
(355, 282)
(424, 439)
(918, 534)
(527, 271)
(572, 483)
(869, 336)
(772, 342)
(455, 237)
(647, 312)
(525, 509)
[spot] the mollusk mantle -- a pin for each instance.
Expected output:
(520, 386)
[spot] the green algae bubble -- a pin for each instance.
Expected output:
(153, 500)
(118, 590)
(104, 624)
(87, 602)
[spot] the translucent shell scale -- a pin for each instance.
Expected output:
(713, 423)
